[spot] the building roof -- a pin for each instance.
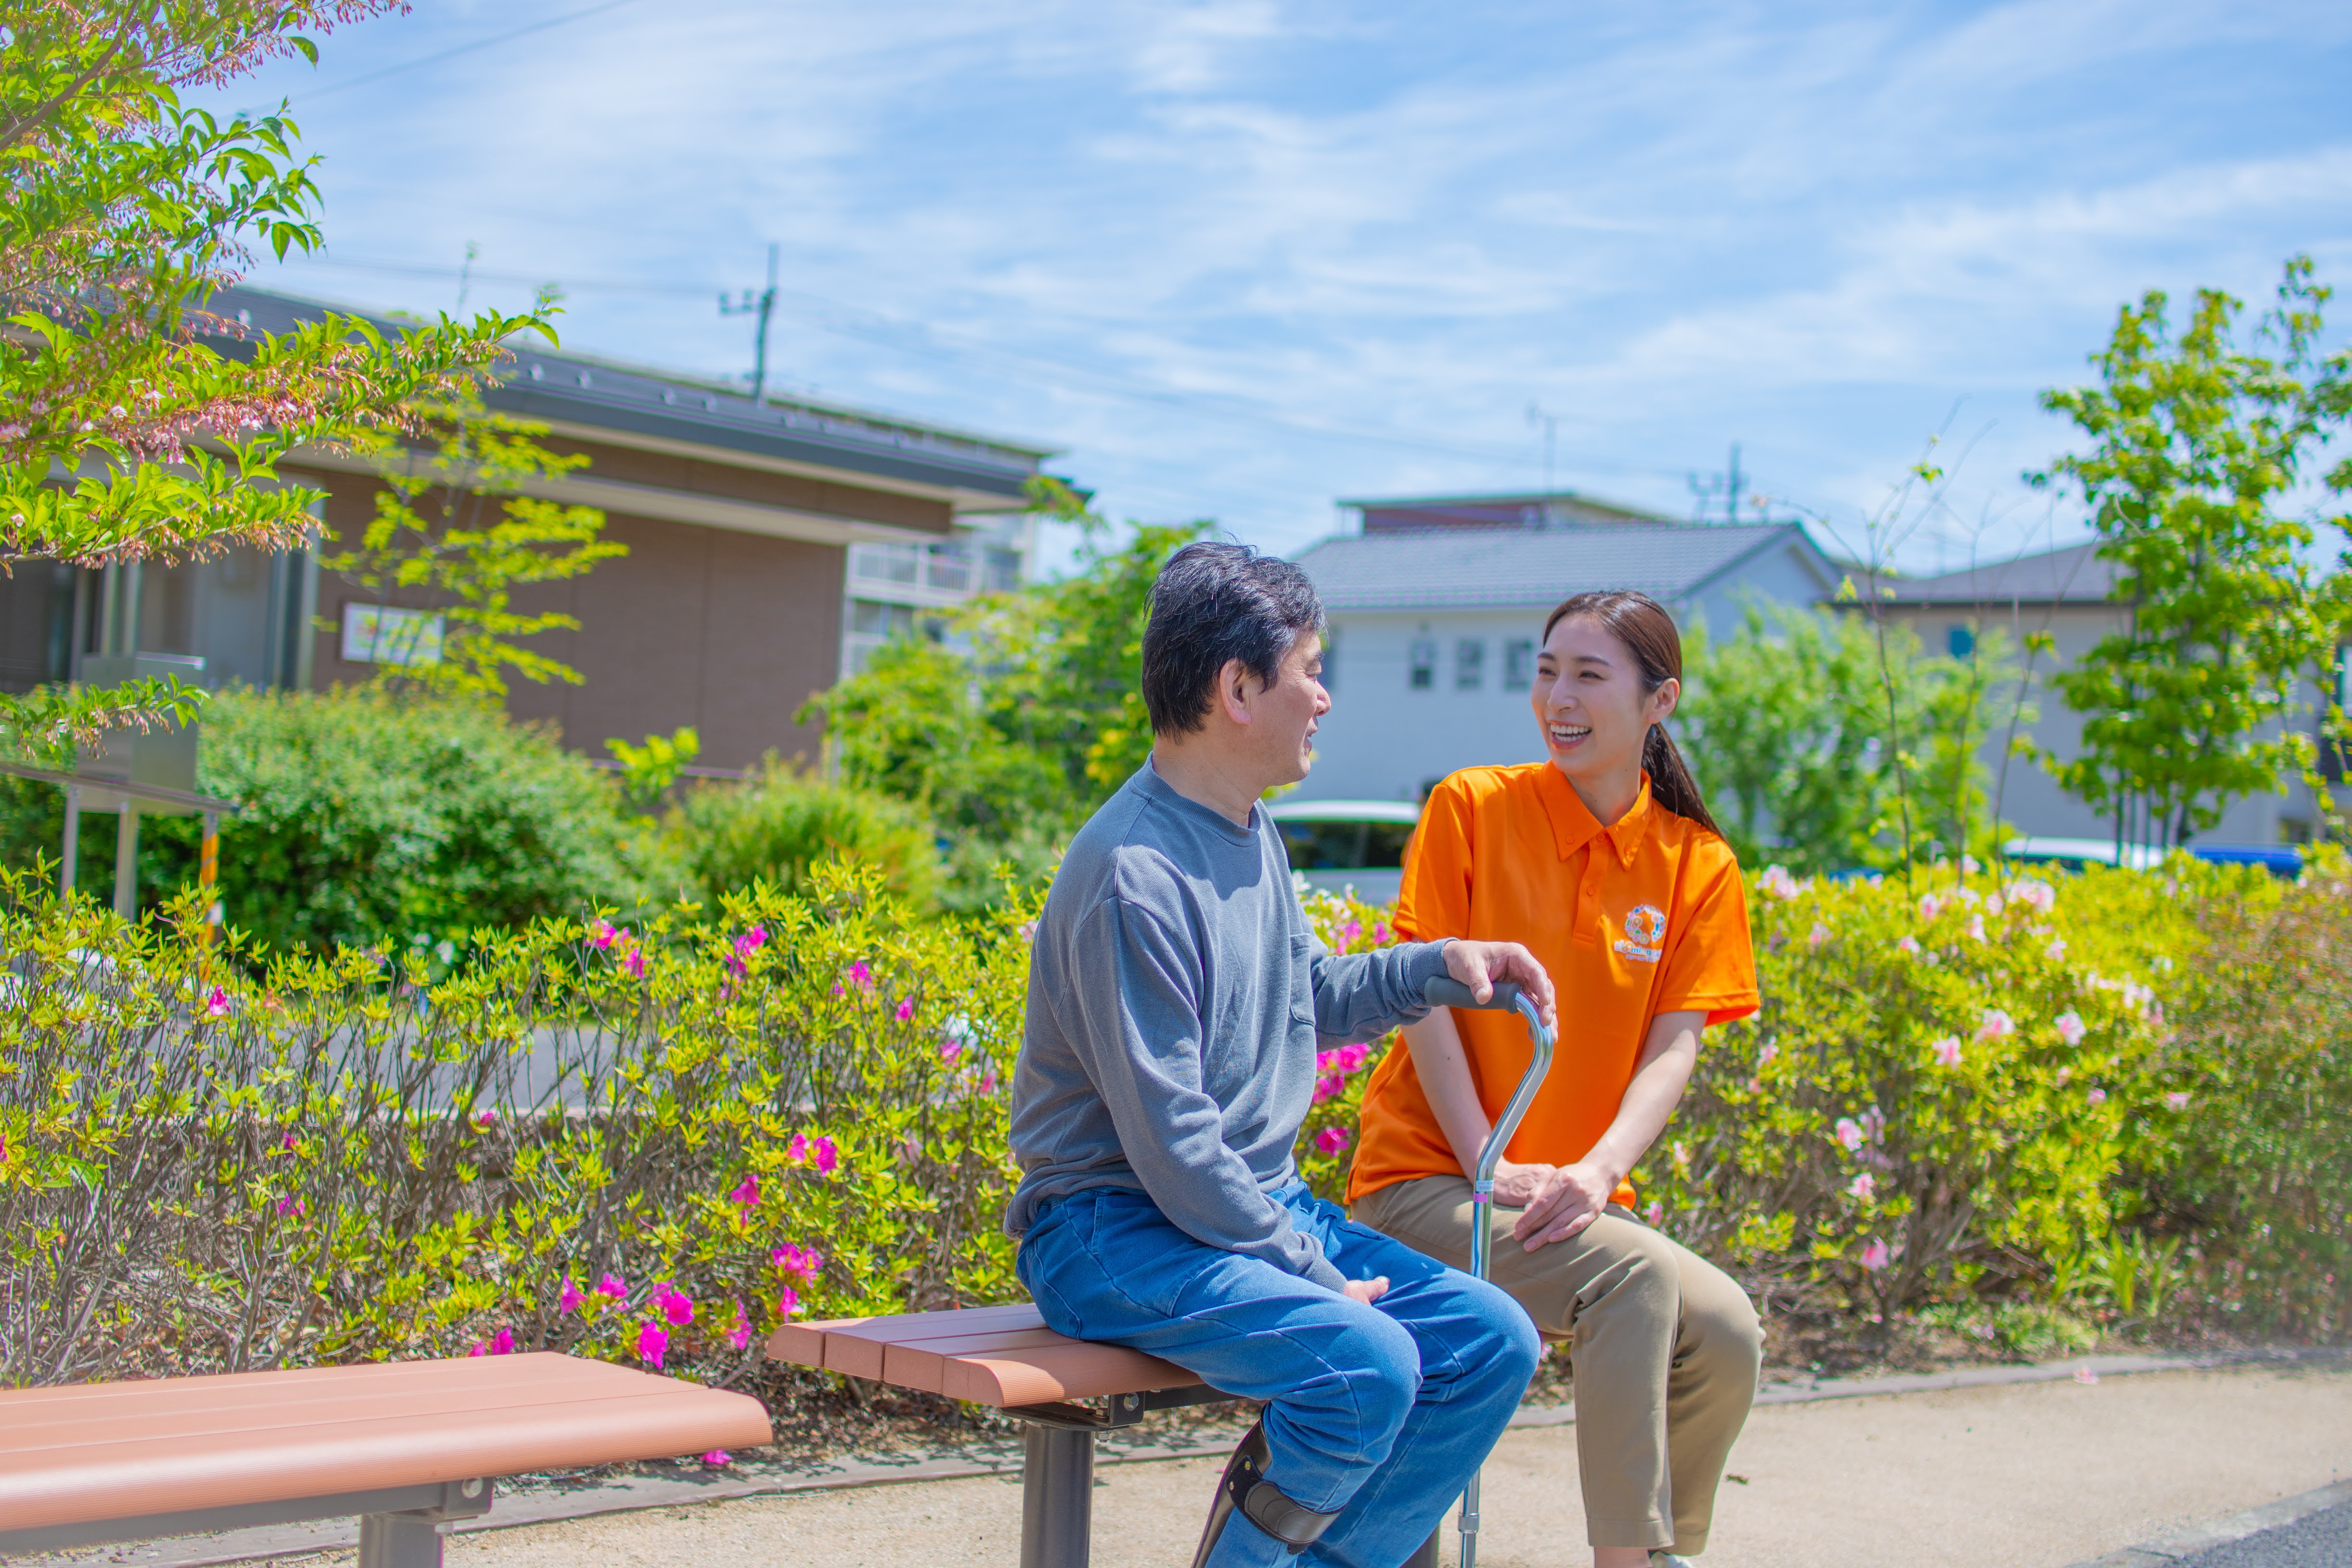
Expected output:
(1532, 566)
(1538, 509)
(671, 410)
(2074, 575)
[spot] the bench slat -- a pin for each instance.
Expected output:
(1049, 1374)
(924, 1364)
(497, 1416)
(989, 1355)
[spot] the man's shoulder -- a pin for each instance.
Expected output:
(1117, 854)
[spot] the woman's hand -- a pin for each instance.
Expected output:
(1517, 1186)
(1571, 1198)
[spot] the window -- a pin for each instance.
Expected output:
(380, 633)
(872, 619)
(885, 562)
(948, 568)
(1469, 664)
(1003, 570)
(1519, 664)
(1960, 640)
(1424, 664)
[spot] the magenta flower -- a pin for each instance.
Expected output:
(292, 1205)
(1777, 882)
(1865, 1187)
(739, 1333)
(1380, 933)
(1657, 1212)
(797, 1150)
(485, 1121)
(2070, 1027)
(601, 934)
(788, 1301)
(217, 1004)
(613, 1286)
(1849, 1133)
(1326, 1061)
(673, 1303)
(905, 1010)
(1328, 1086)
(1997, 1024)
(1347, 931)
(2176, 1100)
(1334, 1140)
(288, 1143)
(652, 1340)
(1947, 1051)
(800, 1261)
(718, 1457)
(746, 1195)
(1353, 1057)
(1818, 935)
(1930, 906)
(861, 976)
(1875, 1256)
(988, 1083)
(2097, 1097)
(569, 1300)
(501, 1344)
(828, 1159)
(949, 1049)
(1909, 944)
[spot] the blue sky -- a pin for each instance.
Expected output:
(1239, 259)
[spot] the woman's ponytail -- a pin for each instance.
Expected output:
(1642, 625)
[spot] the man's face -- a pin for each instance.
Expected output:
(1285, 715)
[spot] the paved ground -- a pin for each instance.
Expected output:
(2321, 1540)
(2040, 1474)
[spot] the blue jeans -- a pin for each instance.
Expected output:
(1380, 1414)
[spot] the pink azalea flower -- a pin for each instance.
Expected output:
(788, 1301)
(601, 934)
(803, 1262)
(861, 976)
(1380, 933)
(1849, 1133)
(635, 963)
(2063, 1074)
(613, 1286)
(571, 1299)
(1347, 931)
(485, 1119)
(1334, 1140)
(2097, 1097)
(1328, 1086)
(1818, 935)
(216, 1003)
(797, 1150)
(949, 1049)
(2070, 1027)
(905, 1010)
(1353, 1057)
(1947, 1051)
(652, 1340)
(1976, 928)
(674, 1304)
(739, 1333)
(2037, 895)
(1764, 1058)
(1777, 882)
(828, 1159)
(746, 1195)
(1875, 1256)
(292, 1205)
(1873, 1125)
(1908, 944)
(1930, 906)
(2057, 948)
(1657, 1213)
(1326, 1061)
(1997, 1024)
(502, 1343)
(718, 1457)
(288, 1143)
(1865, 1187)
(988, 1084)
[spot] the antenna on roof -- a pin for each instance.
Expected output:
(1705, 488)
(765, 304)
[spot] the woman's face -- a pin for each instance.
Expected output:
(1589, 699)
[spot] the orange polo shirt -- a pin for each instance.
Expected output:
(1645, 916)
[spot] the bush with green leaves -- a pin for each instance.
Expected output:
(650, 1142)
(777, 827)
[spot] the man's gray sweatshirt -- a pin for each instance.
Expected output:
(1176, 997)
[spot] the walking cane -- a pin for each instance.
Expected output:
(1446, 992)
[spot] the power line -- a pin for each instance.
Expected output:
(460, 49)
(946, 343)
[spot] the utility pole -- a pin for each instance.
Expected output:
(1704, 491)
(1731, 490)
(765, 305)
(1549, 423)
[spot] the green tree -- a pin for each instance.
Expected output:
(1811, 732)
(453, 537)
(1025, 714)
(2194, 443)
(124, 211)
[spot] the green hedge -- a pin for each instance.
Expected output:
(2115, 1094)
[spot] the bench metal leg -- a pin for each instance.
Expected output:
(1425, 1555)
(399, 1540)
(1058, 1499)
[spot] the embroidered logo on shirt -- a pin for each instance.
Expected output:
(1646, 928)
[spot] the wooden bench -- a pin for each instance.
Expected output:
(1007, 1357)
(405, 1445)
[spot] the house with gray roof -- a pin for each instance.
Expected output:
(770, 543)
(1437, 605)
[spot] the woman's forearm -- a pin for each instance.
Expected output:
(1667, 1058)
(1443, 1068)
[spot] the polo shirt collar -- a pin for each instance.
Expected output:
(1573, 826)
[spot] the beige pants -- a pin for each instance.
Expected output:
(1663, 1346)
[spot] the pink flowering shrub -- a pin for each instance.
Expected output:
(1325, 1144)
